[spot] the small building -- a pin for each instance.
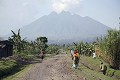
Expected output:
(6, 48)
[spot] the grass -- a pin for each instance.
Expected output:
(19, 74)
(90, 69)
(7, 67)
(93, 64)
(14, 66)
(89, 74)
(117, 74)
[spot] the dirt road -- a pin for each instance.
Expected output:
(55, 68)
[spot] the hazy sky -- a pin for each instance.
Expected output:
(17, 13)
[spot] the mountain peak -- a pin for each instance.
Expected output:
(65, 12)
(62, 13)
(64, 25)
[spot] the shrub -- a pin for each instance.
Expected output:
(117, 74)
(52, 50)
(109, 46)
(110, 72)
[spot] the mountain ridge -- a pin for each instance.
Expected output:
(64, 26)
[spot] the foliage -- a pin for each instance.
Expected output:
(110, 72)
(85, 48)
(110, 46)
(17, 41)
(41, 43)
(52, 49)
(23, 46)
(25, 57)
(117, 74)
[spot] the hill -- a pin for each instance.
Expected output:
(64, 27)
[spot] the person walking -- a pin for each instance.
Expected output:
(94, 55)
(75, 59)
(103, 68)
(42, 54)
(72, 53)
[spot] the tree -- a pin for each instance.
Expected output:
(41, 43)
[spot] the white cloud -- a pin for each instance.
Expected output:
(63, 5)
(58, 7)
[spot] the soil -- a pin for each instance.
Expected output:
(58, 67)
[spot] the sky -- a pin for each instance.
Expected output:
(15, 14)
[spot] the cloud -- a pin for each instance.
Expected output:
(64, 5)
(58, 7)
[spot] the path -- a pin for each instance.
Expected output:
(55, 68)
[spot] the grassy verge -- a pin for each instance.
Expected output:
(16, 63)
(7, 67)
(89, 74)
(19, 74)
(94, 64)
(88, 69)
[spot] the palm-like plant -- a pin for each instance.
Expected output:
(17, 41)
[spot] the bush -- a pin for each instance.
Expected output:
(52, 50)
(110, 72)
(117, 74)
(25, 57)
(109, 46)
(113, 73)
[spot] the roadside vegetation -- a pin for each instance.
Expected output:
(107, 49)
(94, 64)
(24, 53)
(7, 67)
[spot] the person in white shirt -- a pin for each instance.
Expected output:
(94, 55)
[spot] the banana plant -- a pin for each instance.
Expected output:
(17, 41)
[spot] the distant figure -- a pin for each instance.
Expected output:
(42, 54)
(90, 52)
(72, 52)
(94, 55)
(103, 68)
(75, 59)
